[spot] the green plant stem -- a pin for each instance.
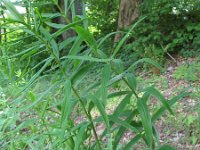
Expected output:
(134, 92)
(130, 88)
(74, 90)
(89, 117)
(79, 98)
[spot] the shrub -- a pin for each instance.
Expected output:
(170, 26)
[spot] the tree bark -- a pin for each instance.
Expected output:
(128, 13)
(78, 11)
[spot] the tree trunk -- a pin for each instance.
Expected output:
(78, 11)
(128, 13)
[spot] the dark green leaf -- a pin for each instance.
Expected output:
(158, 95)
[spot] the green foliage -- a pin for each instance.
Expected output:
(188, 72)
(46, 118)
(170, 26)
(103, 16)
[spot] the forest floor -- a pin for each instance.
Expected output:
(183, 129)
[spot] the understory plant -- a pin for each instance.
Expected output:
(47, 118)
(171, 27)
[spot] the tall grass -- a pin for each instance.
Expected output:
(46, 118)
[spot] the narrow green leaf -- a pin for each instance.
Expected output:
(146, 120)
(157, 94)
(171, 103)
(156, 135)
(52, 42)
(166, 147)
(66, 43)
(66, 7)
(55, 25)
(126, 37)
(40, 97)
(35, 76)
(105, 38)
(118, 66)
(101, 109)
(148, 60)
(87, 36)
(115, 79)
(24, 51)
(133, 141)
(122, 129)
(87, 58)
(76, 46)
(123, 123)
(12, 11)
(24, 124)
(67, 107)
(106, 72)
(121, 106)
(80, 138)
(131, 81)
(80, 73)
(120, 93)
(67, 27)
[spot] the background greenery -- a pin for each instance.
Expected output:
(55, 93)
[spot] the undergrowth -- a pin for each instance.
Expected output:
(45, 117)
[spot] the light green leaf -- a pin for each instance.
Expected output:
(35, 76)
(55, 25)
(12, 12)
(126, 37)
(80, 138)
(148, 60)
(118, 66)
(52, 42)
(101, 109)
(123, 123)
(120, 93)
(76, 46)
(67, 27)
(146, 120)
(87, 58)
(131, 81)
(87, 36)
(167, 147)
(122, 129)
(106, 72)
(122, 105)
